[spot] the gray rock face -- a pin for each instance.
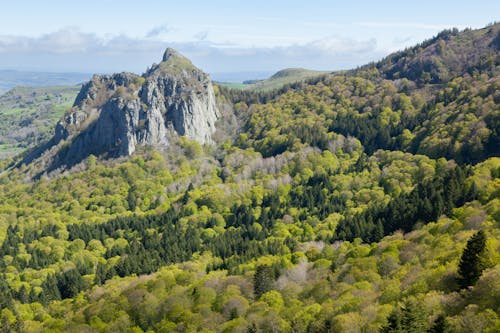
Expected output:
(112, 115)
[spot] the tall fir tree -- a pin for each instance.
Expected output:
(473, 261)
(263, 280)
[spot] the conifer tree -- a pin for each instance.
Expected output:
(263, 280)
(5, 294)
(440, 325)
(473, 260)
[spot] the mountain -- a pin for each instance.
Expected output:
(114, 114)
(28, 116)
(456, 118)
(351, 202)
(450, 54)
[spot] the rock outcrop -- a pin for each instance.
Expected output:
(113, 114)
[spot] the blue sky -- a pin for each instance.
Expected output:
(222, 36)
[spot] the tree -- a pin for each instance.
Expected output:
(50, 290)
(408, 318)
(394, 322)
(70, 283)
(263, 280)
(5, 294)
(473, 260)
(440, 325)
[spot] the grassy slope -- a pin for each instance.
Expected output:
(278, 80)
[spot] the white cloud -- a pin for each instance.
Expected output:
(157, 31)
(72, 49)
(335, 45)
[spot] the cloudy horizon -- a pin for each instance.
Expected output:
(220, 37)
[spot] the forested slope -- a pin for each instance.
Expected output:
(358, 202)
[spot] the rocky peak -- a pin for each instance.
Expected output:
(113, 114)
(171, 53)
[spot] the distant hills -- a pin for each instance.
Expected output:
(13, 78)
(277, 80)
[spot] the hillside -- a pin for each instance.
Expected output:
(277, 80)
(351, 202)
(28, 116)
(450, 54)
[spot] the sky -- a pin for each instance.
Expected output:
(219, 36)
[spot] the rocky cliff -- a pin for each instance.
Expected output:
(113, 114)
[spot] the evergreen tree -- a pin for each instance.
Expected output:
(440, 325)
(414, 318)
(263, 280)
(70, 283)
(22, 295)
(394, 323)
(5, 294)
(408, 318)
(50, 291)
(473, 260)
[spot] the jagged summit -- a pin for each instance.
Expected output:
(171, 53)
(113, 114)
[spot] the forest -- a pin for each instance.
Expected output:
(361, 201)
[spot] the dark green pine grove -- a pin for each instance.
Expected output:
(361, 201)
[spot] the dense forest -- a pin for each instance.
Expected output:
(361, 201)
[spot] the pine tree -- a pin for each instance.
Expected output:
(414, 318)
(5, 294)
(408, 318)
(100, 274)
(473, 260)
(263, 280)
(70, 283)
(50, 291)
(440, 325)
(394, 324)
(22, 295)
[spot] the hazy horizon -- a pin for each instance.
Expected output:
(221, 36)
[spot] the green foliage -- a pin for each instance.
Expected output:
(319, 217)
(474, 260)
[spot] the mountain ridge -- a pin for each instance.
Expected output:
(113, 114)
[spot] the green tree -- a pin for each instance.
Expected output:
(408, 318)
(263, 280)
(394, 322)
(473, 260)
(440, 325)
(70, 283)
(50, 290)
(5, 294)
